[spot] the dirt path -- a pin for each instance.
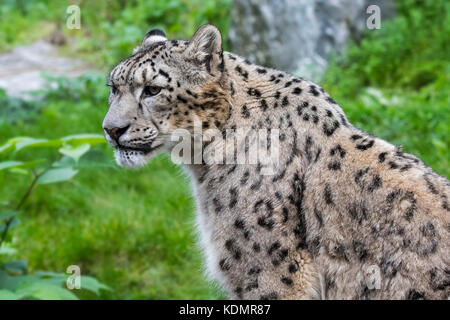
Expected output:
(21, 69)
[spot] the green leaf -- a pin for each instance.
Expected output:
(8, 295)
(60, 277)
(87, 282)
(44, 291)
(32, 142)
(11, 143)
(8, 214)
(10, 164)
(12, 224)
(32, 164)
(20, 143)
(53, 278)
(20, 171)
(56, 175)
(7, 251)
(89, 138)
(9, 282)
(6, 147)
(64, 162)
(93, 285)
(74, 152)
(17, 266)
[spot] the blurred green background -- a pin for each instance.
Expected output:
(133, 230)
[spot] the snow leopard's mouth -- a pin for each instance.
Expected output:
(146, 149)
(134, 157)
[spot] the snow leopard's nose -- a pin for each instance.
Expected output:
(115, 133)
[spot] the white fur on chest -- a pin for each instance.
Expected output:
(207, 236)
(210, 251)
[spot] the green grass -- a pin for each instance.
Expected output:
(133, 230)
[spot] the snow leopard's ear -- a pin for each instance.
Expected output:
(151, 37)
(205, 48)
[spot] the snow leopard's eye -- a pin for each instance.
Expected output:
(114, 89)
(150, 91)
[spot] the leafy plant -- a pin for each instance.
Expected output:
(15, 281)
(409, 51)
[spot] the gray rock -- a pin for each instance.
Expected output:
(298, 35)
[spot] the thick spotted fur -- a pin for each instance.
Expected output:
(341, 202)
